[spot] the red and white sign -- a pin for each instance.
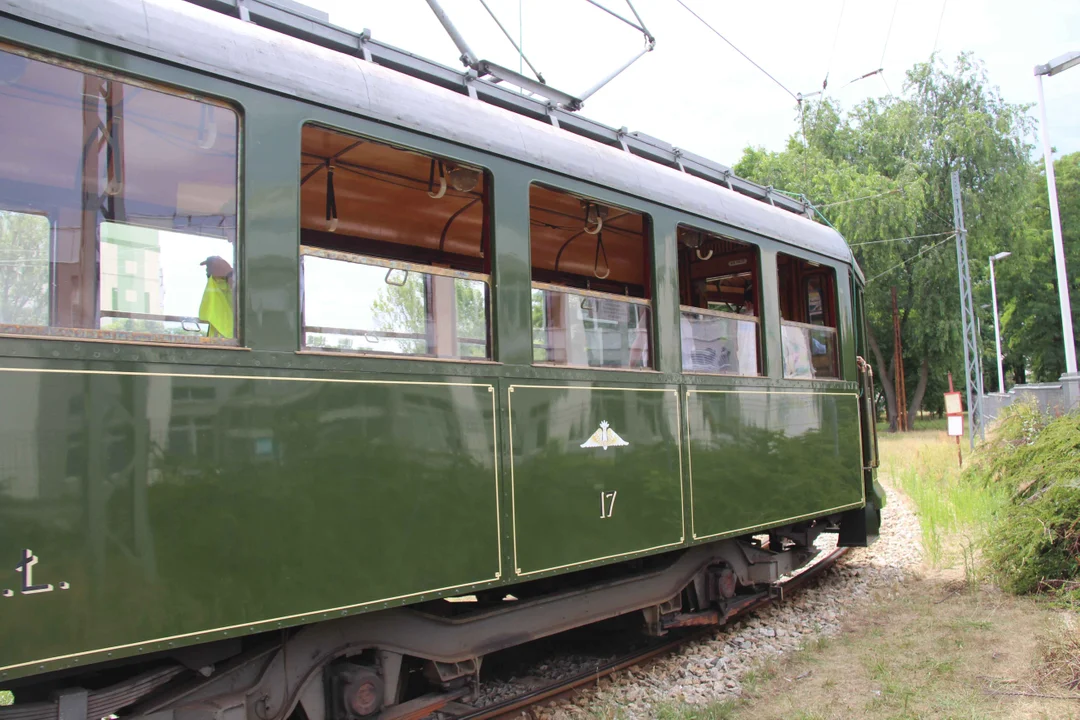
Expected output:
(954, 409)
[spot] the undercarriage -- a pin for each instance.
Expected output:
(390, 663)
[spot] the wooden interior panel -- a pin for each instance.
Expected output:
(793, 273)
(704, 256)
(562, 252)
(382, 196)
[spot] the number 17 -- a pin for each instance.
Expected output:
(607, 503)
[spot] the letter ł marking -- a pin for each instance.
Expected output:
(26, 567)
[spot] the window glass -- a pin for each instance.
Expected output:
(570, 328)
(118, 206)
(719, 315)
(359, 304)
(808, 318)
(24, 268)
(154, 281)
(394, 250)
(590, 297)
(718, 343)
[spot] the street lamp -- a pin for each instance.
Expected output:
(1055, 66)
(997, 325)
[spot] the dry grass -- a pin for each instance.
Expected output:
(932, 649)
(1059, 655)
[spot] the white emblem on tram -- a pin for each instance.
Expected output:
(605, 437)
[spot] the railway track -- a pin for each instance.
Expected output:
(567, 687)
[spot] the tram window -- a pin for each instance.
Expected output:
(719, 310)
(590, 290)
(808, 318)
(118, 208)
(394, 250)
(24, 269)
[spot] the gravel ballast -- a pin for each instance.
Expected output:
(712, 669)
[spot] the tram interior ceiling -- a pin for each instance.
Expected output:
(395, 250)
(719, 304)
(591, 303)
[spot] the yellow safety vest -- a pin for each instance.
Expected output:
(217, 307)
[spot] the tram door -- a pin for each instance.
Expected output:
(867, 397)
(594, 436)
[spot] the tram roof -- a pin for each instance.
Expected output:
(286, 60)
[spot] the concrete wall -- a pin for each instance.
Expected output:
(1052, 398)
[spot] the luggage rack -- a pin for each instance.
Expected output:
(306, 23)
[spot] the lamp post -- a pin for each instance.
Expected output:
(997, 324)
(1055, 66)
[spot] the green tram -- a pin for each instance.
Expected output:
(290, 339)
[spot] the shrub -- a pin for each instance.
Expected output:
(1034, 544)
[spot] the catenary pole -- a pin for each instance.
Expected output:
(899, 389)
(972, 362)
(997, 321)
(1055, 224)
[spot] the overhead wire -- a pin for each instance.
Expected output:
(937, 33)
(888, 33)
(867, 197)
(928, 208)
(832, 54)
(909, 237)
(900, 189)
(881, 61)
(521, 53)
(914, 257)
(736, 49)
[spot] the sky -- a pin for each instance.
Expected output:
(697, 93)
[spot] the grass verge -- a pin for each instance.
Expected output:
(953, 512)
(724, 710)
(1034, 545)
(925, 651)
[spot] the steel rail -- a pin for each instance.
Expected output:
(567, 687)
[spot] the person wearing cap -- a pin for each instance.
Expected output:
(216, 308)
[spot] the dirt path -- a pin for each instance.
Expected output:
(934, 649)
(937, 646)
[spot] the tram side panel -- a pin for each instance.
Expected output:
(760, 459)
(147, 511)
(596, 475)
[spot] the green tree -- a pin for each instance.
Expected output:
(1027, 282)
(471, 298)
(881, 172)
(403, 308)
(24, 268)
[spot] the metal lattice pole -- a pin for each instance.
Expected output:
(972, 361)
